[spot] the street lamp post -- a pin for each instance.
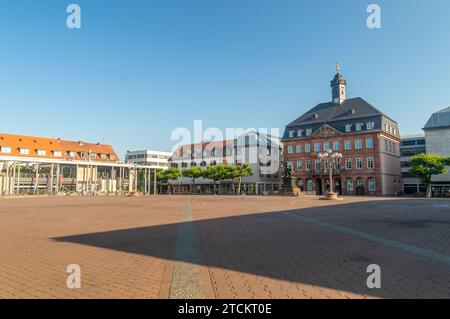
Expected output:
(330, 159)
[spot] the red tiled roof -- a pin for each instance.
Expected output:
(51, 145)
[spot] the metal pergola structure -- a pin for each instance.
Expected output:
(43, 176)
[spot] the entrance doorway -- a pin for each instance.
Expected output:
(318, 187)
(338, 186)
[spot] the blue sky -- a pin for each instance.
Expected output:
(138, 69)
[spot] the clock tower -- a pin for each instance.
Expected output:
(338, 87)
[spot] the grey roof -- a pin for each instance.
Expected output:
(325, 112)
(439, 119)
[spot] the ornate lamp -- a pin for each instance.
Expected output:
(330, 159)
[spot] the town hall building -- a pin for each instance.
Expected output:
(368, 139)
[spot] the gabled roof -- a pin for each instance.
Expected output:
(50, 145)
(439, 119)
(325, 112)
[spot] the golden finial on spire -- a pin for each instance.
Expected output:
(338, 67)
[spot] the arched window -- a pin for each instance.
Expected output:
(349, 185)
(301, 185)
(372, 184)
(360, 182)
(309, 185)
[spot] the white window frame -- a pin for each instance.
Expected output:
(372, 184)
(336, 145)
(41, 152)
(6, 149)
(358, 144)
(370, 159)
(307, 148)
(290, 149)
(308, 165)
(348, 163)
(24, 151)
(347, 144)
(360, 161)
(348, 127)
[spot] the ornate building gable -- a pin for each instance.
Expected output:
(326, 131)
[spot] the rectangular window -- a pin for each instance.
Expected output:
(317, 147)
(299, 165)
(326, 146)
(308, 132)
(370, 125)
(308, 165)
(372, 185)
(348, 127)
(348, 145)
(299, 133)
(358, 145)
(358, 126)
(370, 163)
(24, 151)
(348, 163)
(359, 163)
(317, 165)
(291, 133)
(5, 149)
(369, 143)
(307, 148)
(290, 149)
(298, 148)
(336, 146)
(41, 152)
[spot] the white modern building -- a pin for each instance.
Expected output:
(411, 145)
(437, 137)
(261, 151)
(153, 159)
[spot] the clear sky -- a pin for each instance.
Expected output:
(138, 69)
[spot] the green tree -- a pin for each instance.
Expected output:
(427, 165)
(240, 172)
(215, 173)
(193, 173)
(168, 174)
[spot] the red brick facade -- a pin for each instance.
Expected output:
(347, 181)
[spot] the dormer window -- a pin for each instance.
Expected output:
(348, 127)
(5, 149)
(57, 153)
(299, 133)
(370, 125)
(358, 126)
(112, 157)
(308, 132)
(41, 152)
(291, 134)
(71, 154)
(24, 151)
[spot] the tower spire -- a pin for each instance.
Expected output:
(338, 86)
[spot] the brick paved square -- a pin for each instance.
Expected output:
(224, 247)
